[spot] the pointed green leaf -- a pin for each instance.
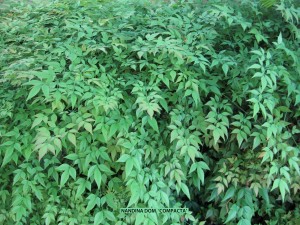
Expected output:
(185, 190)
(128, 166)
(229, 194)
(72, 172)
(8, 155)
(99, 218)
(97, 176)
(232, 213)
(123, 158)
(88, 127)
(72, 138)
(46, 91)
(135, 194)
(64, 178)
(73, 100)
(153, 123)
(33, 92)
(37, 121)
(140, 218)
(193, 168)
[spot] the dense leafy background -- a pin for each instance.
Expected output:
(110, 104)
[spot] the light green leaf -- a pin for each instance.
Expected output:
(8, 155)
(34, 91)
(37, 121)
(244, 222)
(203, 165)
(88, 127)
(200, 174)
(73, 100)
(229, 194)
(232, 213)
(217, 134)
(64, 178)
(275, 184)
(128, 166)
(105, 169)
(225, 68)
(254, 66)
(185, 190)
(174, 135)
(239, 139)
(91, 170)
(140, 218)
(46, 91)
(279, 39)
(256, 142)
(110, 200)
(80, 189)
(192, 152)
(153, 123)
(72, 138)
(255, 109)
(193, 168)
(99, 218)
(135, 194)
(72, 172)
(109, 215)
(283, 187)
(92, 202)
(263, 83)
(63, 167)
(123, 158)
(97, 176)
(164, 198)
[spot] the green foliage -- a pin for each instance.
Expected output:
(268, 3)
(113, 104)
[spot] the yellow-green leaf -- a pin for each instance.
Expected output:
(72, 138)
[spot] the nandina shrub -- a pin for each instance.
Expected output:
(148, 104)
